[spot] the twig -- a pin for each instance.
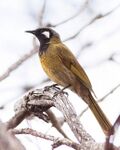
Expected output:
(97, 17)
(27, 55)
(109, 93)
(33, 51)
(110, 139)
(38, 101)
(17, 119)
(56, 123)
(102, 99)
(112, 57)
(20, 106)
(40, 19)
(57, 141)
(35, 100)
(8, 141)
(72, 17)
(18, 63)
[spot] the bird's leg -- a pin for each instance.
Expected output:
(53, 85)
(61, 91)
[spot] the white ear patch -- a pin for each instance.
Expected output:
(46, 33)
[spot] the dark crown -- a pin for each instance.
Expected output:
(39, 31)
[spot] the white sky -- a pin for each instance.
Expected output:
(20, 15)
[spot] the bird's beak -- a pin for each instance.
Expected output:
(32, 32)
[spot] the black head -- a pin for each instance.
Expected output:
(44, 36)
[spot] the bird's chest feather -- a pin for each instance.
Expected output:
(50, 62)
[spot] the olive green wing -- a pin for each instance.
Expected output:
(69, 60)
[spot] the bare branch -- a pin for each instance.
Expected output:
(17, 119)
(25, 56)
(55, 122)
(38, 101)
(18, 63)
(110, 139)
(72, 17)
(40, 19)
(57, 141)
(29, 107)
(109, 93)
(97, 17)
(112, 57)
(8, 141)
(81, 114)
(33, 51)
(102, 99)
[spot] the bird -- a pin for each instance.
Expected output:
(62, 67)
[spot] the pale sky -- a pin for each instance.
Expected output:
(103, 35)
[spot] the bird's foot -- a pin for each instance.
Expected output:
(61, 91)
(53, 85)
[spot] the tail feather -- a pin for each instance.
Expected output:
(86, 95)
(100, 116)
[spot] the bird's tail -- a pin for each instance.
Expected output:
(86, 95)
(100, 116)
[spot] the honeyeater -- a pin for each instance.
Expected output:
(62, 67)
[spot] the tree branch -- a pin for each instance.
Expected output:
(97, 17)
(110, 139)
(40, 19)
(18, 63)
(17, 119)
(37, 102)
(56, 141)
(70, 18)
(102, 99)
(8, 141)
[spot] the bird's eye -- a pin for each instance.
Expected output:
(46, 33)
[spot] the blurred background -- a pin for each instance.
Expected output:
(90, 28)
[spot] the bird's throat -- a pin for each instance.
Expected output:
(44, 44)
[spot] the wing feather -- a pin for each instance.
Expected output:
(72, 64)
